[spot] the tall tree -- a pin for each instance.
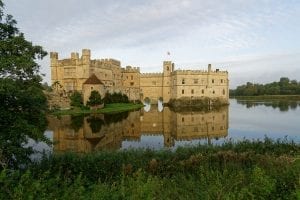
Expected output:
(94, 99)
(23, 104)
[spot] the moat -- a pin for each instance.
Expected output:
(158, 127)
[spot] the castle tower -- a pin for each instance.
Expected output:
(86, 60)
(168, 67)
(54, 67)
(209, 79)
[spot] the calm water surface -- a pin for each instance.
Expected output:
(156, 127)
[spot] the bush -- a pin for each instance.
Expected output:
(115, 98)
(76, 99)
(94, 99)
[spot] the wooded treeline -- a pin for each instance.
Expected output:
(284, 86)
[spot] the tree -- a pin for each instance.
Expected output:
(23, 104)
(76, 99)
(94, 99)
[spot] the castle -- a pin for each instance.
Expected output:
(106, 75)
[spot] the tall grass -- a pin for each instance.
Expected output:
(245, 170)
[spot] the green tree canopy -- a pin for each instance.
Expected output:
(76, 99)
(22, 102)
(95, 99)
(283, 87)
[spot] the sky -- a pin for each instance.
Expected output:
(254, 40)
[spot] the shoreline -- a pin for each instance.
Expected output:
(268, 97)
(108, 109)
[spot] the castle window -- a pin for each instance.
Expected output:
(221, 80)
(131, 83)
(105, 75)
(182, 119)
(195, 81)
(127, 77)
(213, 91)
(168, 68)
(183, 81)
(131, 77)
(92, 88)
(182, 91)
(213, 81)
(223, 91)
(192, 91)
(202, 91)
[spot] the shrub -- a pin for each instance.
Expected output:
(76, 99)
(94, 99)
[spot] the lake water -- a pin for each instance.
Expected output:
(158, 127)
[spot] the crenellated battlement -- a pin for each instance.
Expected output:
(158, 74)
(197, 72)
(167, 84)
(130, 69)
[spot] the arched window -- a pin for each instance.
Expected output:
(223, 91)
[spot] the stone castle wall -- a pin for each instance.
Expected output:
(170, 84)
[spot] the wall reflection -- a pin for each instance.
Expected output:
(98, 132)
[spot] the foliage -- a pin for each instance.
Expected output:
(245, 170)
(56, 86)
(76, 99)
(115, 98)
(46, 87)
(284, 87)
(95, 123)
(94, 99)
(22, 102)
(283, 105)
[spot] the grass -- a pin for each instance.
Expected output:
(269, 97)
(109, 108)
(245, 170)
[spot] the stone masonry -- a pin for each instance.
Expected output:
(71, 74)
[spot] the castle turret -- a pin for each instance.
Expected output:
(168, 67)
(86, 56)
(86, 60)
(54, 66)
(209, 68)
(74, 56)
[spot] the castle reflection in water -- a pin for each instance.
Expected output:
(99, 132)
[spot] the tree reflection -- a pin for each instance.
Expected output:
(282, 105)
(77, 122)
(114, 118)
(95, 123)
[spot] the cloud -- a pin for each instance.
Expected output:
(140, 32)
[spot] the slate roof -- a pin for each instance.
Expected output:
(93, 80)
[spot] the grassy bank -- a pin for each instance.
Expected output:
(108, 108)
(269, 97)
(244, 170)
